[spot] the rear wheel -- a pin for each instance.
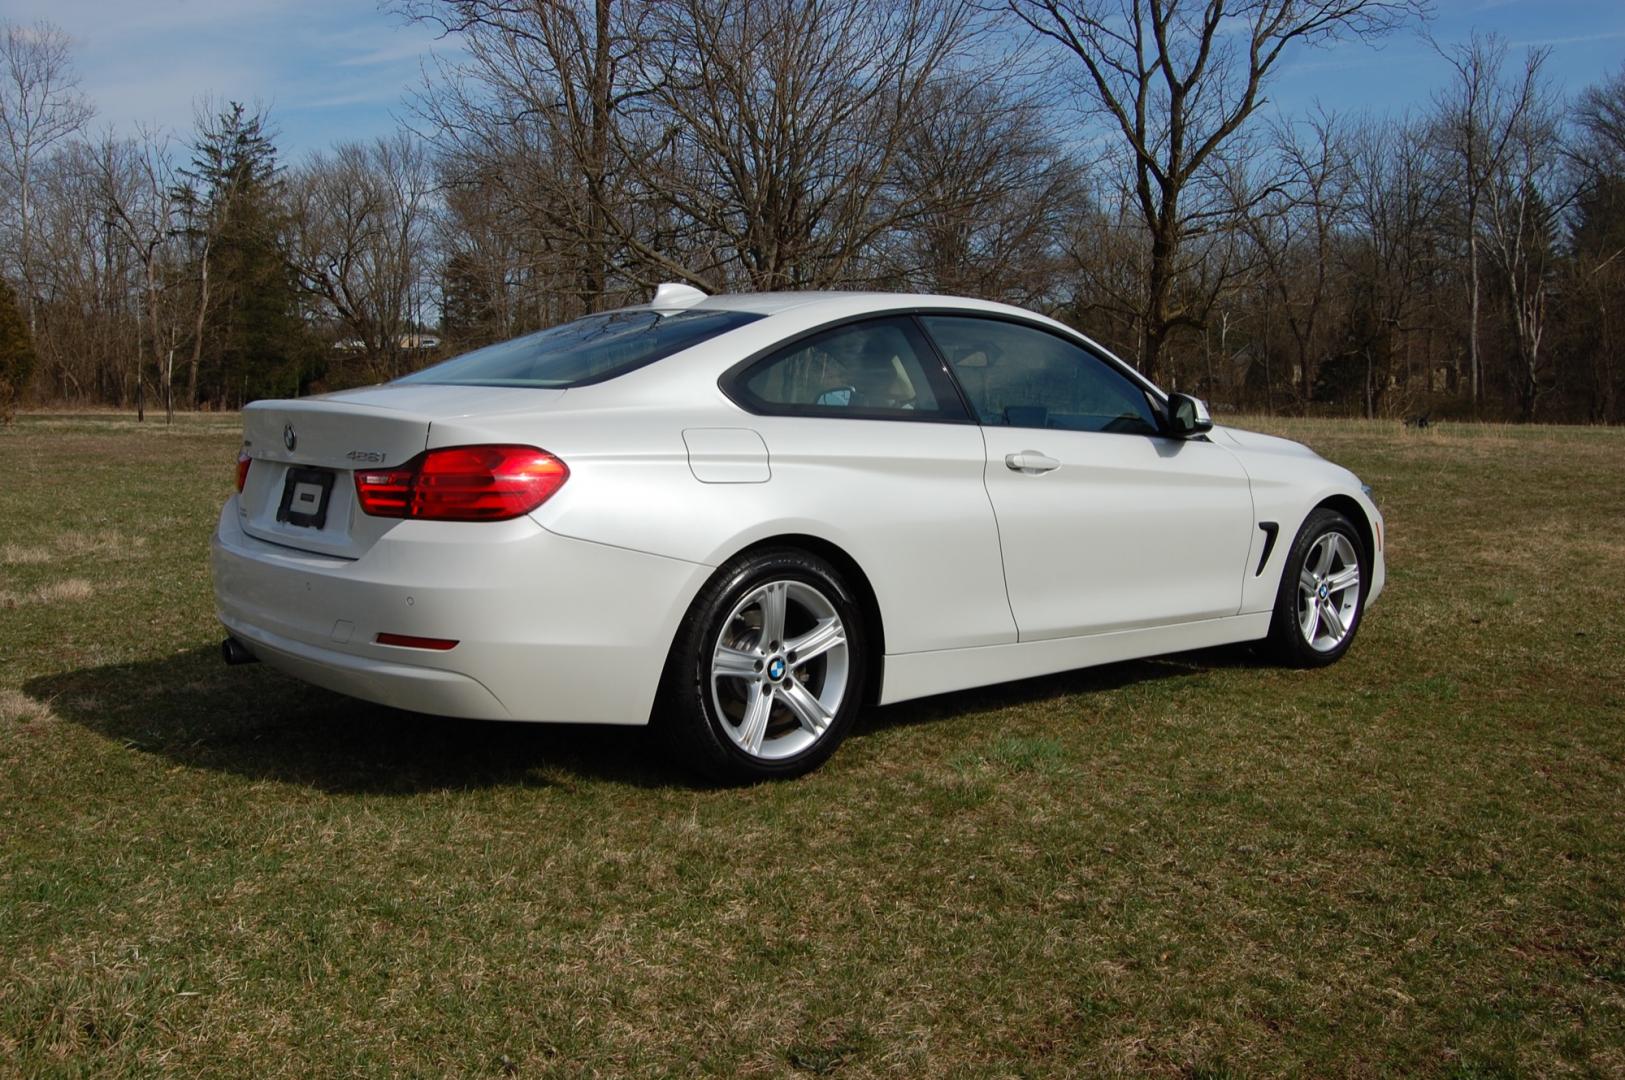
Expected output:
(1322, 594)
(766, 675)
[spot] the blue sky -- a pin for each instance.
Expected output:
(1586, 39)
(334, 69)
(328, 69)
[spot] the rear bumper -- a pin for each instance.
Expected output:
(422, 689)
(548, 628)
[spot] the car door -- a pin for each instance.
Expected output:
(1105, 524)
(870, 446)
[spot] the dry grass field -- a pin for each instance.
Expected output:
(1409, 864)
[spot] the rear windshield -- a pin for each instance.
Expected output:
(587, 350)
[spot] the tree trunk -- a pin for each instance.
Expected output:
(1605, 360)
(597, 226)
(1472, 317)
(1158, 285)
(24, 256)
(197, 330)
(157, 346)
(1370, 399)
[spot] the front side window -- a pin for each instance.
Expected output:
(879, 369)
(1022, 376)
(587, 350)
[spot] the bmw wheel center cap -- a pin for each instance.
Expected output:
(775, 669)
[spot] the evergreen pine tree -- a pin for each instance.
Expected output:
(468, 316)
(254, 341)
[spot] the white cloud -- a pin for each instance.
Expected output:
(1573, 39)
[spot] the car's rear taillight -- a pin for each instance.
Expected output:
(243, 462)
(463, 483)
(386, 492)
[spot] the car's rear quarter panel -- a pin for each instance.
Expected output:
(903, 500)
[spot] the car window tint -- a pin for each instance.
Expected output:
(1025, 377)
(876, 369)
(587, 350)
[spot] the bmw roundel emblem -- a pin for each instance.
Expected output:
(775, 670)
(289, 439)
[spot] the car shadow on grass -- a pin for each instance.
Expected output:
(192, 710)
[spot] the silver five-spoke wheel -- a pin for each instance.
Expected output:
(1328, 592)
(780, 669)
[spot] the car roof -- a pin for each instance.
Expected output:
(774, 303)
(816, 305)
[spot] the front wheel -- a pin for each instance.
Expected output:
(766, 675)
(1322, 593)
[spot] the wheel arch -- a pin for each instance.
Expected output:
(1350, 508)
(873, 622)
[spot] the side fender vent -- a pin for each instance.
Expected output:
(1271, 530)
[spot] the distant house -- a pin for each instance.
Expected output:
(406, 342)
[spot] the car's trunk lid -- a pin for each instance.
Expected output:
(300, 490)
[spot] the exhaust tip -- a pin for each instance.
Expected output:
(234, 652)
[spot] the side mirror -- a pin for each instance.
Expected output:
(1187, 416)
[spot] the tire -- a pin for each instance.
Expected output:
(744, 701)
(1321, 599)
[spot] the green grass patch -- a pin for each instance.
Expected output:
(1409, 864)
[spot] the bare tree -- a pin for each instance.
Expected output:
(40, 105)
(1176, 82)
(1104, 256)
(1393, 211)
(487, 270)
(1523, 205)
(782, 124)
(87, 304)
(1598, 270)
(139, 186)
(360, 241)
(987, 196)
(1600, 115)
(1294, 228)
(1476, 120)
(533, 108)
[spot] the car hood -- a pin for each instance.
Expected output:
(1271, 460)
(1264, 444)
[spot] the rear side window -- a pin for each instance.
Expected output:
(588, 350)
(879, 369)
(1021, 376)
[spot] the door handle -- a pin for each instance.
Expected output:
(1030, 461)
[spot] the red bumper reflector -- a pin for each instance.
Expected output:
(408, 641)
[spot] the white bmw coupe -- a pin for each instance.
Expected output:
(745, 516)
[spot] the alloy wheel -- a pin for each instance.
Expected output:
(780, 669)
(1328, 592)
